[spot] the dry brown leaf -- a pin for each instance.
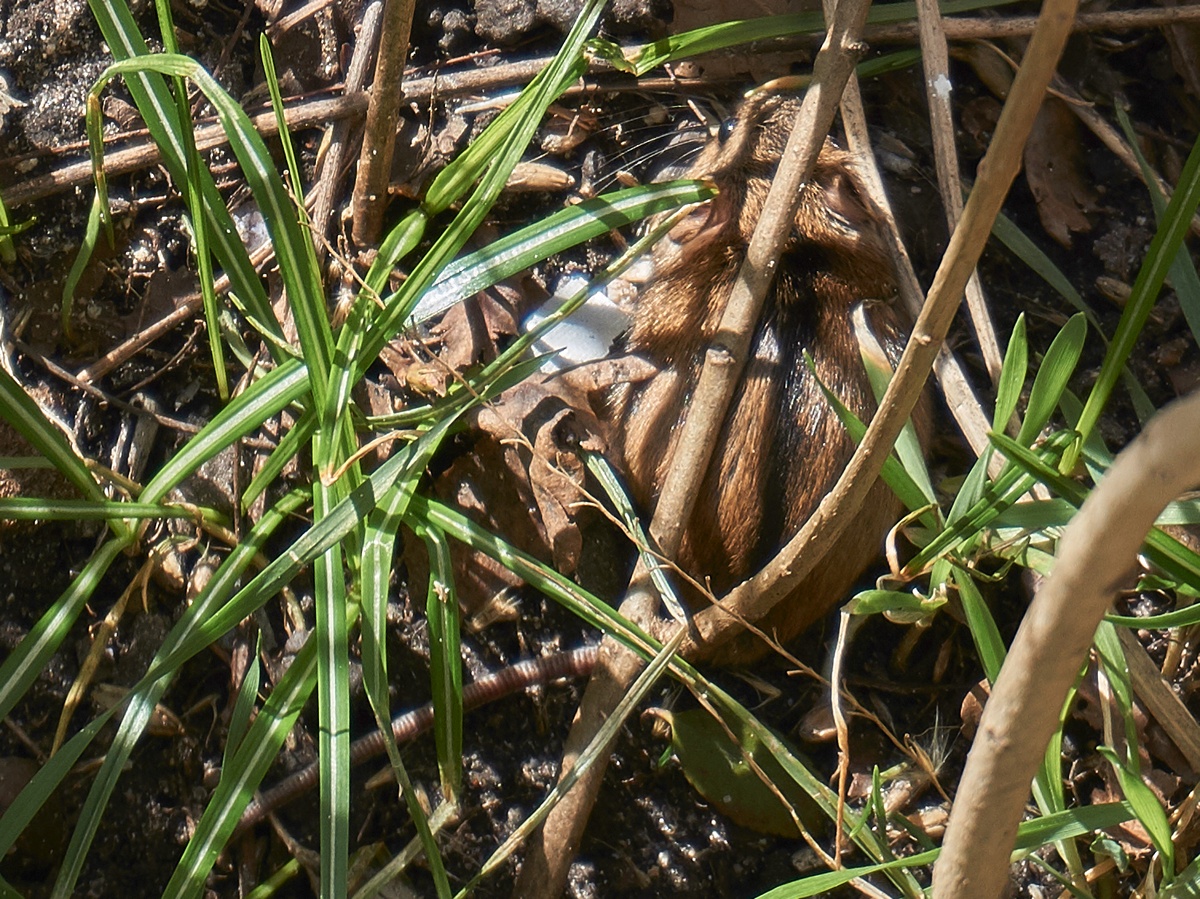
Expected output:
(1053, 161)
(593, 378)
(521, 478)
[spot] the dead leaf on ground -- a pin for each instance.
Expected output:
(1053, 160)
(521, 477)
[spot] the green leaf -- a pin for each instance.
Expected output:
(1146, 806)
(20, 411)
(445, 661)
(1166, 243)
(988, 642)
(1012, 375)
(142, 698)
(292, 245)
(1051, 379)
(243, 709)
(720, 770)
(243, 774)
(1030, 835)
(559, 231)
(894, 474)
(901, 608)
(729, 34)
(31, 656)
(1182, 276)
(158, 110)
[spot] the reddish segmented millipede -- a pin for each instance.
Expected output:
(407, 725)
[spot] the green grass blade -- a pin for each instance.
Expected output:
(154, 101)
(612, 486)
(445, 661)
(146, 693)
(1146, 806)
(8, 253)
(407, 463)
(398, 243)
(1182, 276)
(378, 550)
(285, 137)
(908, 448)
(1051, 379)
(1012, 375)
(599, 746)
(1030, 835)
(557, 232)
(1004, 230)
(243, 708)
(193, 196)
(988, 643)
(1166, 243)
(729, 34)
(513, 130)
(333, 711)
(20, 411)
(1164, 551)
(87, 247)
(907, 488)
(240, 778)
(273, 392)
(41, 788)
(29, 509)
(290, 444)
(994, 500)
(992, 652)
(1008, 394)
(486, 152)
(292, 245)
(1022, 246)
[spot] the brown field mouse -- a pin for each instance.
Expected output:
(781, 446)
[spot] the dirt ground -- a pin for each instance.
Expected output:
(651, 834)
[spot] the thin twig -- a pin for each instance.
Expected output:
(965, 29)
(1160, 700)
(299, 115)
(187, 309)
(1114, 140)
(960, 396)
(284, 24)
(936, 60)
(309, 113)
(327, 179)
(379, 137)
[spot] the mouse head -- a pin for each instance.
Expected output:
(835, 218)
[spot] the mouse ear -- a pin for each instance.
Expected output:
(701, 227)
(846, 201)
